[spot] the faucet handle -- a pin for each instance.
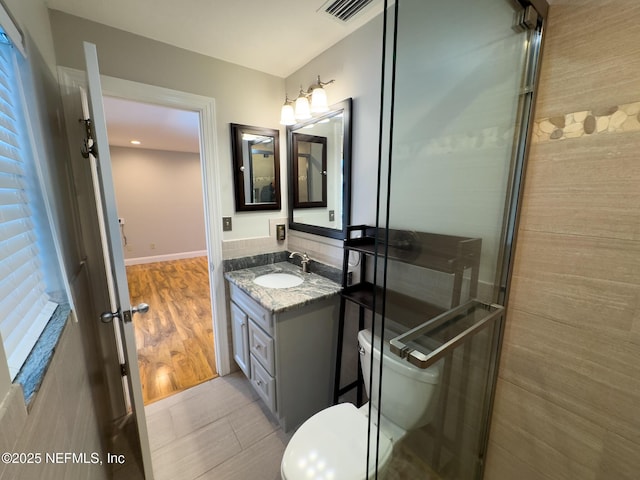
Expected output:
(304, 260)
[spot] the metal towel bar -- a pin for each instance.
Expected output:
(488, 314)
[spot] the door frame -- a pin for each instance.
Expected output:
(211, 179)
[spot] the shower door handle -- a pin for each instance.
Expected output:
(472, 316)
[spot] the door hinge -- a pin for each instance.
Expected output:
(88, 145)
(123, 369)
(526, 19)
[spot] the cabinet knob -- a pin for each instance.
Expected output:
(258, 347)
(259, 383)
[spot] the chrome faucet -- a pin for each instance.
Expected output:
(304, 260)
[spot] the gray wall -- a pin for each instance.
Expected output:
(241, 95)
(355, 64)
(159, 195)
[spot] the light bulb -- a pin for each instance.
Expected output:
(287, 115)
(302, 108)
(319, 102)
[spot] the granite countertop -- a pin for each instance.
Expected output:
(313, 288)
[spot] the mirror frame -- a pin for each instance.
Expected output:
(237, 131)
(296, 139)
(345, 107)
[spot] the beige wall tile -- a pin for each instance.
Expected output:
(577, 255)
(588, 374)
(504, 465)
(601, 306)
(591, 58)
(621, 458)
(586, 186)
(558, 443)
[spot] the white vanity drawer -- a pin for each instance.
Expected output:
(256, 312)
(264, 383)
(262, 347)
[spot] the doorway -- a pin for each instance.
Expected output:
(157, 171)
(73, 82)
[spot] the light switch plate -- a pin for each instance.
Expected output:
(226, 224)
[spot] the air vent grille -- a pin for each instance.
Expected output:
(344, 10)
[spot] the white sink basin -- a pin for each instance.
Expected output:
(278, 280)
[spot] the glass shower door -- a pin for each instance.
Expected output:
(458, 83)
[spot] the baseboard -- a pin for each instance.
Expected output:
(165, 258)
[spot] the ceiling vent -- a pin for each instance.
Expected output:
(344, 10)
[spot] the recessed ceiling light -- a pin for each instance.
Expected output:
(135, 142)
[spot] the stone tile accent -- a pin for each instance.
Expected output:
(615, 119)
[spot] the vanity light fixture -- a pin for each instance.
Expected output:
(319, 103)
(303, 109)
(287, 114)
(303, 112)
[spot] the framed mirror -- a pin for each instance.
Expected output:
(255, 153)
(309, 171)
(319, 160)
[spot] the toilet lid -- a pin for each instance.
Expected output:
(333, 445)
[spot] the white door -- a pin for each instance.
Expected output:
(120, 310)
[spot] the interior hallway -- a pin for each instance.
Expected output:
(175, 338)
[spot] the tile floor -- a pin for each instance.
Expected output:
(220, 430)
(217, 430)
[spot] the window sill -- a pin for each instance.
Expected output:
(32, 373)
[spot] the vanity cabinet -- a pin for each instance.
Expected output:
(240, 335)
(287, 355)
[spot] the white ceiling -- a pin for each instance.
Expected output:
(273, 36)
(154, 126)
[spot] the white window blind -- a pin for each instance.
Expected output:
(25, 307)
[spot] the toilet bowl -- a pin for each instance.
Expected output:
(332, 444)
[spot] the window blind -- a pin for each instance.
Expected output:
(25, 307)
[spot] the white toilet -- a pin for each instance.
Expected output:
(332, 444)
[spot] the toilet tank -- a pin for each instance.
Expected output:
(408, 392)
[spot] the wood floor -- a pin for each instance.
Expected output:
(175, 338)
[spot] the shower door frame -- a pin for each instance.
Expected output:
(513, 197)
(513, 207)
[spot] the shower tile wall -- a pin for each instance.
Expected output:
(568, 389)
